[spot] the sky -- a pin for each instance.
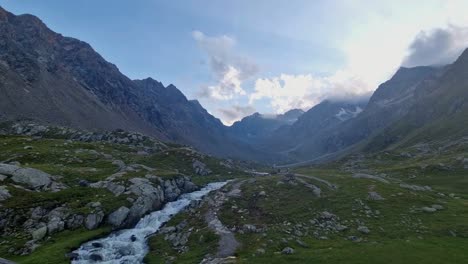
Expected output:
(269, 56)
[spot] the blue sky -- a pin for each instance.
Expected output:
(237, 57)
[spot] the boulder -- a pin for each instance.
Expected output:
(374, 196)
(33, 178)
(114, 188)
(428, 209)
(93, 220)
(55, 225)
(287, 251)
(3, 177)
(117, 218)
(171, 191)
(39, 233)
(363, 229)
(200, 168)
(75, 221)
(4, 193)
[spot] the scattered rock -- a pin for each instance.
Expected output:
(363, 229)
(428, 209)
(287, 251)
(374, 196)
(415, 187)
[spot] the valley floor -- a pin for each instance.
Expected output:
(380, 210)
(405, 206)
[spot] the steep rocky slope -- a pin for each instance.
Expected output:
(54, 79)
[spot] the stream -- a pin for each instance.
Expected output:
(129, 246)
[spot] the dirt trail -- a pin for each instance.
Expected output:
(329, 184)
(227, 243)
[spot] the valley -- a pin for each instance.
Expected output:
(98, 167)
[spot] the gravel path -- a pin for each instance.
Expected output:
(227, 243)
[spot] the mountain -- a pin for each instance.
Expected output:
(438, 112)
(50, 78)
(256, 127)
(290, 139)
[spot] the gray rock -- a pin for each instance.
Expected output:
(8, 169)
(55, 225)
(93, 220)
(189, 187)
(3, 177)
(171, 191)
(38, 212)
(39, 233)
(200, 168)
(4, 193)
(116, 189)
(117, 218)
(32, 178)
(415, 187)
(363, 229)
(437, 206)
(327, 215)
(428, 209)
(287, 251)
(75, 221)
(374, 196)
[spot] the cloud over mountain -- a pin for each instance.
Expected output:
(287, 92)
(437, 47)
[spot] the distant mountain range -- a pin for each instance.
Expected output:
(53, 79)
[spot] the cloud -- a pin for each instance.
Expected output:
(228, 68)
(437, 47)
(228, 87)
(287, 92)
(235, 112)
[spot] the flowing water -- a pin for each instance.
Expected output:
(129, 246)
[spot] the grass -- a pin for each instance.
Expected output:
(201, 242)
(92, 161)
(399, 233)
(54, 250)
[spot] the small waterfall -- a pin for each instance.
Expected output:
(129, 246)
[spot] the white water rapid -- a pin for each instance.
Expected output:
(129, 246)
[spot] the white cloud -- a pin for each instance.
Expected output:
(229, 86)
(437, 46)
(304, 91)
(229, 69)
